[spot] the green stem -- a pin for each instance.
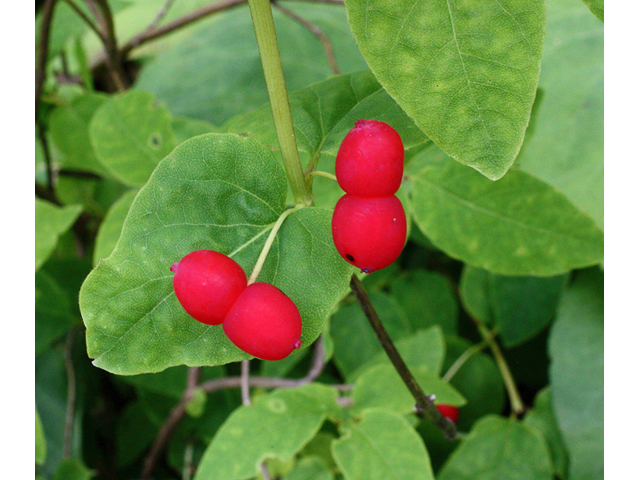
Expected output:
(462, 359)
(320, 173)
(274, 76)
(517, 405)
(267, 246)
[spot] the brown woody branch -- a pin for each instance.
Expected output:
(179, 411)
(424, 404)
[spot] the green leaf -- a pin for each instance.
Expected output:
(41, 441)
(130, 134)
(478, 380)
(324, 112)
(129, 447)
(576, 348)
(381, 387)
(310, 468)
(69, 129)
(51, 403)
(73, 469)
(275, 425)
(207, 77)
(226, 201)
(541, 418)
(499, 448)
(596, 7)
(427, 298)
(475, 294)
(381, 446)
(423, 350)
(566, 146)
(195, 407)
(53, 314)
(111, 226)
(51, 222)
(354, 339)
(520, 307)
(185, 128)
(465, 72)
(517, 226)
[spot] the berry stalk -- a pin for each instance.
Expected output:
(265, 31)
(424, 404)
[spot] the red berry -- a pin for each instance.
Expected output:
(370, 160)
(449, 411)
(207, 284)
(369, 232)
(264, 322)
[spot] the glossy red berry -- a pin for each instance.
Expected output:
(264, 322)
(370, 160)
(207, 284)
(449, 411)
(369, 232)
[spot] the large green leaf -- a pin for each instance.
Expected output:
(520, 307)
(276, 425)
(130, 134)
(498, 448)
(51, 222)
(427, 298)
(566, 145)
(111, 226)
(219, 192)
(381, 387)
(381, 446)
(466, 72)
(69, 129)
(323, 114)
(541, 418)
(233, 80)
(576, 348)
(517, 226)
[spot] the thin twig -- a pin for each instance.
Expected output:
(86, 19)
(462, 359)
(43, 49)
(172, 421)
(179, 411)
(71, 395)
(317, 31)
(135, 41)
(187, 469)
(424, 404)
(265, 471)
(517, 405)
(46, 150)
(244, 382)
(183, 21)
(113, 56)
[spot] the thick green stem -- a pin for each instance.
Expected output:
(274, 76)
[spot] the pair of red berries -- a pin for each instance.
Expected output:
(258, 319)
(369, 225)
